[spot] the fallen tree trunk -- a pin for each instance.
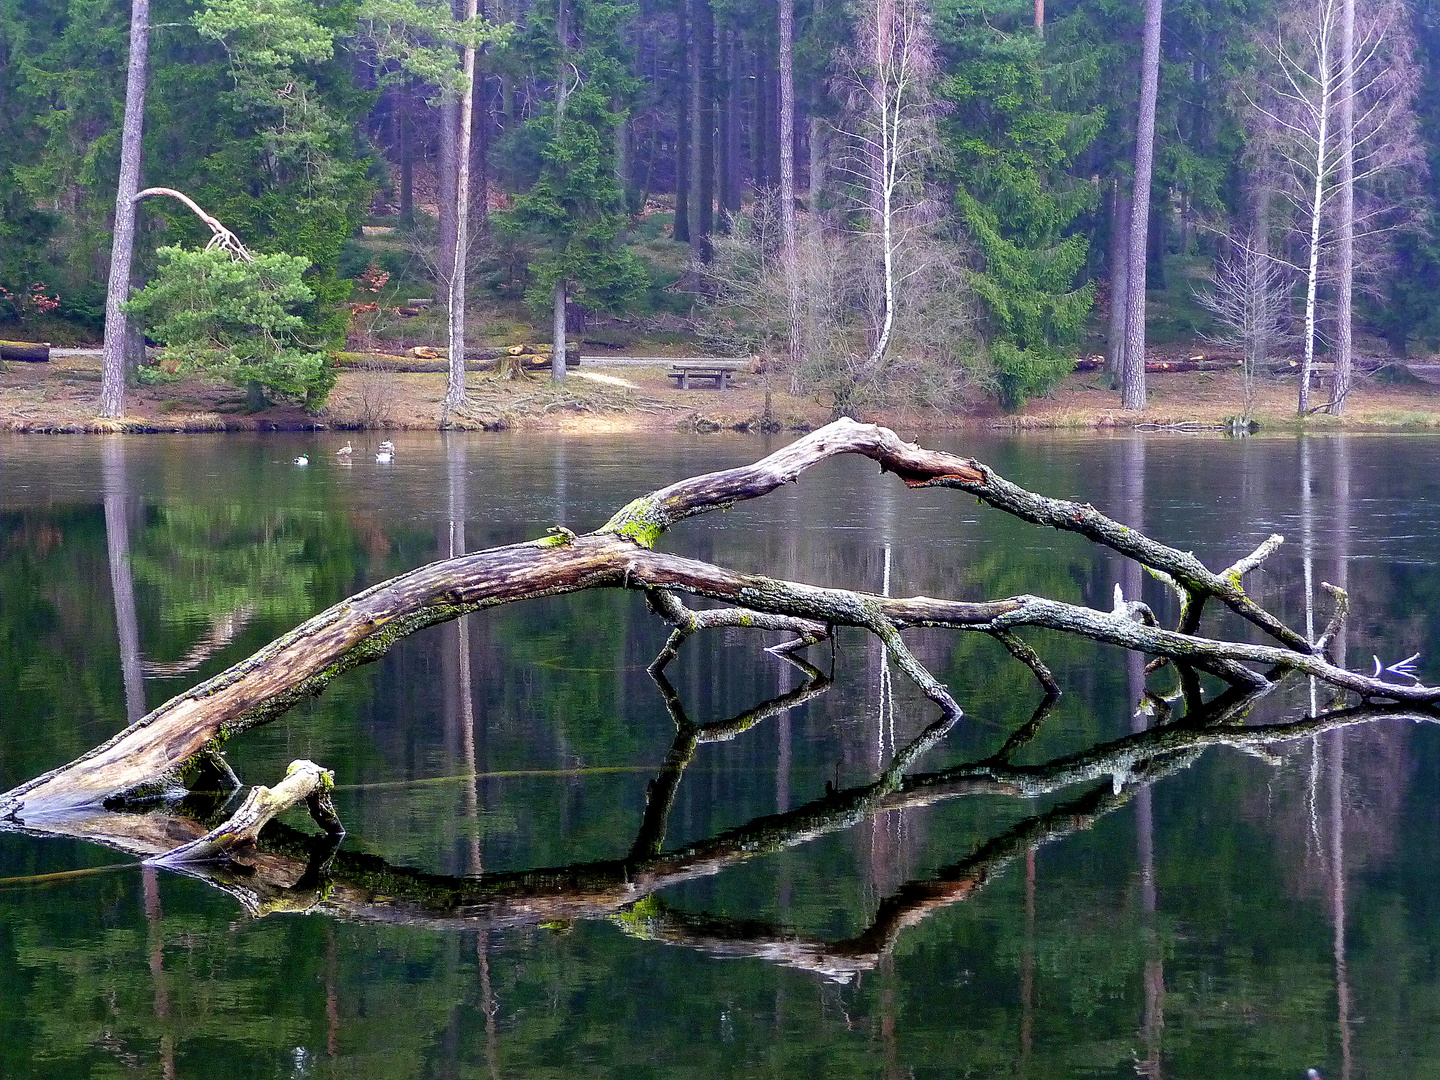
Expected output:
(168, 750)
(34, 352)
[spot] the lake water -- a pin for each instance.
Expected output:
(1233, 913)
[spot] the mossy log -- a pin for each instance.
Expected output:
(168, 750)
(34, 352)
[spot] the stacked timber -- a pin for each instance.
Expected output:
(428, 358)
(36, 352)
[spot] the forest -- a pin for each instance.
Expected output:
(883, 200)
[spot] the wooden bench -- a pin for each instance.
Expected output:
(717, 371)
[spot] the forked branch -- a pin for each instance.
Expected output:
(178, 742)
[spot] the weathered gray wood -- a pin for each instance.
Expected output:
(304, 782)
(160, 754)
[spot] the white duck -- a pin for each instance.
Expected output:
(384, 457)
(302, 460)
(344, 451)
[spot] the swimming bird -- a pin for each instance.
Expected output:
(302, 460)
(384, 457)
(344, 451)
(387, 447)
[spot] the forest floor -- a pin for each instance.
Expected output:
(63, 395)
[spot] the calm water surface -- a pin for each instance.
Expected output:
(1246, 914)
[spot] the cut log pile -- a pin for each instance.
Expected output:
(432, 358)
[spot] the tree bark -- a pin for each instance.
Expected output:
(681, 231)
(1345, 217)
(562, 94)
(122, 245)
(557, 330)
(1133, 395)
(789, 240)
(1119, 266)
(180, 740)
(304, 782)
(455, 396)
(704, 180)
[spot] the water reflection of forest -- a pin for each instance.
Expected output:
(294, 872)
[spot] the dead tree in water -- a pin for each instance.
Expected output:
(178, 745)
(289, 871)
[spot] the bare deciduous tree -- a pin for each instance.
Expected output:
(837, 283)
(1316, 120)
(890, 139)
(1248, 295)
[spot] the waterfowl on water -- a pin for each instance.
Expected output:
(302, 460)
(344, 451)
(384, 457)
(387, 447)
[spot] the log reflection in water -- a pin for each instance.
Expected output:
(294, 872)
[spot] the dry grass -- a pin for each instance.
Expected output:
(63, 395)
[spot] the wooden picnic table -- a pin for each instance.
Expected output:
(717, 371)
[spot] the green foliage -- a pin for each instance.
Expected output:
(1010, 151)
(213, 312)
(574, 209)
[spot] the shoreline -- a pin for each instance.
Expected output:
(60, 398)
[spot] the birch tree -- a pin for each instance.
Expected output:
(1339, 117)
(891, 141)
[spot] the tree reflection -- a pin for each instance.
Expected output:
(294, 872)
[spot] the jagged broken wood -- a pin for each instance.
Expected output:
(171, 747)
(304, 782)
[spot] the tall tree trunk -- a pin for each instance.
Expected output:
(760, 173)
(562, 95)
(1324, 91)
(480, 134)
(455, 396)
(787, 179)
(405, 140)
(445, 194)
(1345, 223)
(818, 140)
(704, 182)
(1132, 396)
(725, 137)
(122, 246)
(1119, 282)
(682, 124)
